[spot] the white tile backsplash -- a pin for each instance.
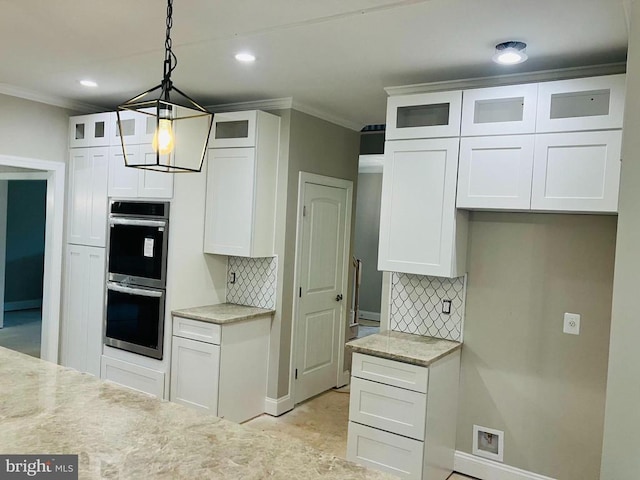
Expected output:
(255, 281)
(416, 305)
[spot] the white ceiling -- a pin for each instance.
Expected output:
(334, 56)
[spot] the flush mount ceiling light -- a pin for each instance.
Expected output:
(245, 57)
(180, 126)
(510, 53)
(88, 83)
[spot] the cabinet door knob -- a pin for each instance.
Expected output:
(338, 297)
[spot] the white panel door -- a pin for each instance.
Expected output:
(194, 374)
(83, 307)
(153, 184)
(321, 305)
(425, 115)
(230, 201)
(123, 180)
(418, 213)
(495, 172)
(577, 172)
(88, 209)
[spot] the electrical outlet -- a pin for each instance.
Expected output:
(446, 307)
(571, 323)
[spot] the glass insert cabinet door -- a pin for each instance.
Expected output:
(425, 115)
(234, 129)
(90, 130)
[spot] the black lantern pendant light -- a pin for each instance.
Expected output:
(179, 125)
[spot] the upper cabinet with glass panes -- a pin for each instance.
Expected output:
(90, 130)
(234, 129)
(424, 115)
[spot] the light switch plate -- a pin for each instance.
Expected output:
(571, 323)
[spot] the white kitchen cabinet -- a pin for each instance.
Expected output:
(595, 103)
(503, 110)
(407, 432)
(420, 230)
(83, 308)
(137, 128)
(236, 129)
(87, 200)
(127, 182)
(90, 130)
(424, 115)
(221, 369)
(577, 172)
(495, 172)
(133, 376)
(241, 194)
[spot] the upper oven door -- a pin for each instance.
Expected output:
(137, 251)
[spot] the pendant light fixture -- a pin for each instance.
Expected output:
(179, 126)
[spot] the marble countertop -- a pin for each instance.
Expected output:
(404, 347)
(222, 313)
(123, 434)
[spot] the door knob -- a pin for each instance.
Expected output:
(338, 297)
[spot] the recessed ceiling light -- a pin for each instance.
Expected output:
(88, 83)
(510, 53)
(245, 57)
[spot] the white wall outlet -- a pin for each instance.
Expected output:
(571, 323)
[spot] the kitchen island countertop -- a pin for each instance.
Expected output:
(120, 433)
(404, 347)
(222, 313)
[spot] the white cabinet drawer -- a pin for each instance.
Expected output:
(389, 408)
(385, 451)
(390, 372)
(133, 376)
(196, 330)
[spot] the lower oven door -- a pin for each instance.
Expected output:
(135, 319)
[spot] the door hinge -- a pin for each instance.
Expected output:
(296, 373)
(300, 293)
(304, 211)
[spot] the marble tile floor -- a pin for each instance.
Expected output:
(320, 422)
(22, 331)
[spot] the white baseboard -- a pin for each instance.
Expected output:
(489, 470)
(22, 305)
(369, 315)
(277, 406)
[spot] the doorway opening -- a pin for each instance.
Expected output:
(22, 213)
(367, 298)
(53, 173)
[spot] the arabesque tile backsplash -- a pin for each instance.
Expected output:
(255, 281)
(416, 305)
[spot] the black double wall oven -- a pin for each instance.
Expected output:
(136, 283)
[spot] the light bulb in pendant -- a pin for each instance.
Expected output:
(163, 140)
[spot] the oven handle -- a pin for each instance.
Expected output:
(133, 291)
(137, 223)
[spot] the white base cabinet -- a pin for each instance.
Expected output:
(221, 369)
(408, 431)
(133, 376)
(83, 308)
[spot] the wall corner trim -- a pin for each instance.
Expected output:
(277, 406)
(488, 470)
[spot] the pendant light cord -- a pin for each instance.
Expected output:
(170, 59)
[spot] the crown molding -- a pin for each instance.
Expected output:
(284, 104)
(510, 79)
(19, 92)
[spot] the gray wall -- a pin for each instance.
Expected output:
(33, 130)
(366, 239)
(520, 373)
(26, 203)
(620, 458)
(308, 144)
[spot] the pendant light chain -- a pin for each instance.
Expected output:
(170, 60)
